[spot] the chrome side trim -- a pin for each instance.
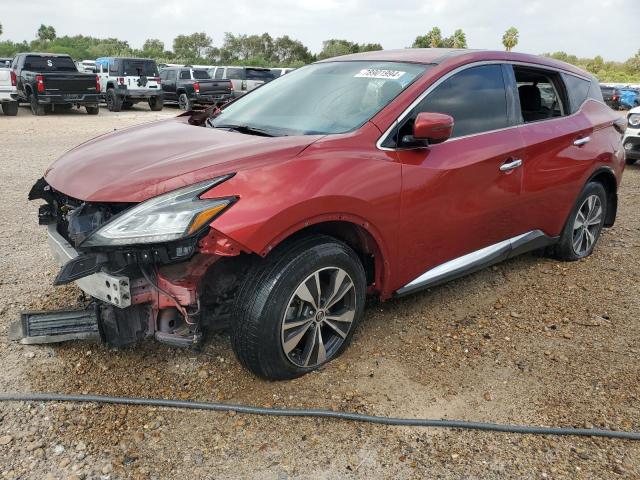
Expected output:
(476, 260)
(434, 85)
(113, 289)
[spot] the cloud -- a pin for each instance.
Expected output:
(545, 25)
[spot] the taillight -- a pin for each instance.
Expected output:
(158, 80)
(121, 80)
(40, 83)
(14, 80)
(196, 87)
(231, 83)
(97, 84)
(243, 85)
(615, 98)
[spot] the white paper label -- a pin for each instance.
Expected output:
(378, 73)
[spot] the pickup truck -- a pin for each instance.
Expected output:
(190, 86)
(49, 80)
(8, 95)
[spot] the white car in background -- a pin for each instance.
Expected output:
(631, 139)
(8, 92)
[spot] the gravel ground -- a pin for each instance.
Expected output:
(531, 341)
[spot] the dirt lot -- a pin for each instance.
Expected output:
(531, 341)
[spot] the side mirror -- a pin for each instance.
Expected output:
(430, 128)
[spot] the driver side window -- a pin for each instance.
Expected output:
(474, 97)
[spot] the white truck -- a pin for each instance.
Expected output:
(8, 92)
(631, 139)
(127, 81)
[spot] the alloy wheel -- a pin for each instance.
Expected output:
(586, 225)
(318, 318)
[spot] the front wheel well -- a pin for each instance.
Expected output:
(356, 237)
(608, 180)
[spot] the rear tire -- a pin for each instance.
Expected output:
(582, 230)
(278, 334)
(184, 103)
(10, 109)
(156, 104)
(36, 108)
(92, 109)
(114, 103)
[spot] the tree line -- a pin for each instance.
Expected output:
(284, 51)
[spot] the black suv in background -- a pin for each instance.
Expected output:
(45, 80)
(611, 96)
(192, 86)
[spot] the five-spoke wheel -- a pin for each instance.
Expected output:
(319, 317)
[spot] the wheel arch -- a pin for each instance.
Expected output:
(606, 177)
(356, 232)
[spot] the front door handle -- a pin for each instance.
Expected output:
(582, 141)
(510, 164)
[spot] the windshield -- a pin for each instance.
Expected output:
(137, 68)
(49, 64)
(200, 74)
(323, 98)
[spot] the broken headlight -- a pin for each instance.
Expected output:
(167, 217)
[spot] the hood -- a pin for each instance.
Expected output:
(141, 162)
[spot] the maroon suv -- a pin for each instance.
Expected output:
(381, 173)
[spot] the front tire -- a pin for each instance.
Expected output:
(298, 308)
(92, 109)
(582, 230)
(10, 109)
(156, 104)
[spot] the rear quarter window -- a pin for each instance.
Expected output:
(577, 91)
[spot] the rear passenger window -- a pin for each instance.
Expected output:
(540, 94)
(577, 91)
(219, 73)
(475, 98)
(185, 75)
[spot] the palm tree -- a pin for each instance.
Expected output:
(459, 39)
(510, 38)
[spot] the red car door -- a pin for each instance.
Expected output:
(564, 140)
(461, 196)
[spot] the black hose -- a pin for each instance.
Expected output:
(302, 412)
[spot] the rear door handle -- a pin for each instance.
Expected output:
(582, 141)
(510, 164)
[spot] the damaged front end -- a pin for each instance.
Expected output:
(144, 266)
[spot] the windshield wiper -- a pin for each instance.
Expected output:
(247, 129)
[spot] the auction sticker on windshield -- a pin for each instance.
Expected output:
(377, 73)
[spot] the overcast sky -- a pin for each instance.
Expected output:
(585, 27)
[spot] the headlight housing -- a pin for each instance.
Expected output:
(634, 120)
(167, 217)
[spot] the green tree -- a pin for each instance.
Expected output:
(152, 47)
(510, 38)
(191, 47)
(458, 39)
(0, 29)
(46, 33)
(288, 52)
(434, 39)
(336, 47)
